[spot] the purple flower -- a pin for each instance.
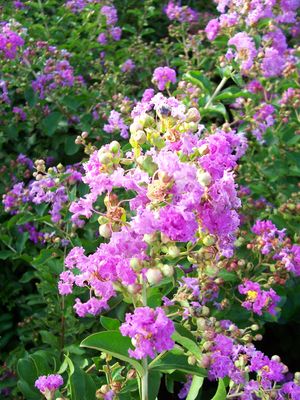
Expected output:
(186, 387)
(150, 331)
(273, 63)
(128, 65)
(212, 29)
(115, 124)
(246, 51)
(175, 12)
(48, 383)
(116, 33)
(268, 235)
(102, 39)
(110, 14)
(163, 76)
(290, 258)
(9, 42)
(21, 114)
(258, 300)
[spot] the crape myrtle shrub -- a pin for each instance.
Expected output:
(150, 198)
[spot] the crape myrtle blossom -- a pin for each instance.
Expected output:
(47, 385)
(245, 50)
(175, 12)
(116, 124)
(150, 331)
(258, 300)
(55, 74)
(10, 42)
(128, 65)
(163, 76)
(172, 196)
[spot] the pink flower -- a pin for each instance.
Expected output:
(163, 76)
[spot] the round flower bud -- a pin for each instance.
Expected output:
(114, 147)
(209, 240)
(105, 158)
(105, 231)
(173, 251)
(154, 276)
(254, 327)
(205, 311)
(297, 376)
(192, 360)
(84, 135)
(204, 178)
(134, 289)
(150, 238)
(135, 126)
(139, 137)
(193, 115)
(136, 264)
(167, 270)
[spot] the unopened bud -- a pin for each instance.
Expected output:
(114, 147)
(209, 240)
(193, 115)
(173, 251)
(167, 270)
(105, 231)
(204, 178)
(154, 276)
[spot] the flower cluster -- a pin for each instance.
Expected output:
(258, 300)
(175, 12)
(113, 31)
(150, 331)
(116, 124)
(10, 42)
(48, 383)
(55, 74)
(163, 76)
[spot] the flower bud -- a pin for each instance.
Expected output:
(167, 270)
(209, 240)
(134, 289)
(105, 231)
(136, 264)
(150, 238)
(193, 115)
(84, 135)
(105, 158)
(114, 147)
(154, 276)
(204, 178)
(192, 360)
(135, 126)
(139, 137)
(205, 311)
(173, 251)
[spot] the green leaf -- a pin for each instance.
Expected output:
(180, 336)
(214, 109)
(154, 384)
(50, 123)
(196, 385)
(113, 343)
(173, 361)
(198, 79)
(221, 392)
(109, 324)
(82, 386)
(4, 254)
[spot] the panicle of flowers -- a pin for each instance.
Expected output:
(56, 73)
(182, 188)
(10, 42)
(150, 331)
(182, 14)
